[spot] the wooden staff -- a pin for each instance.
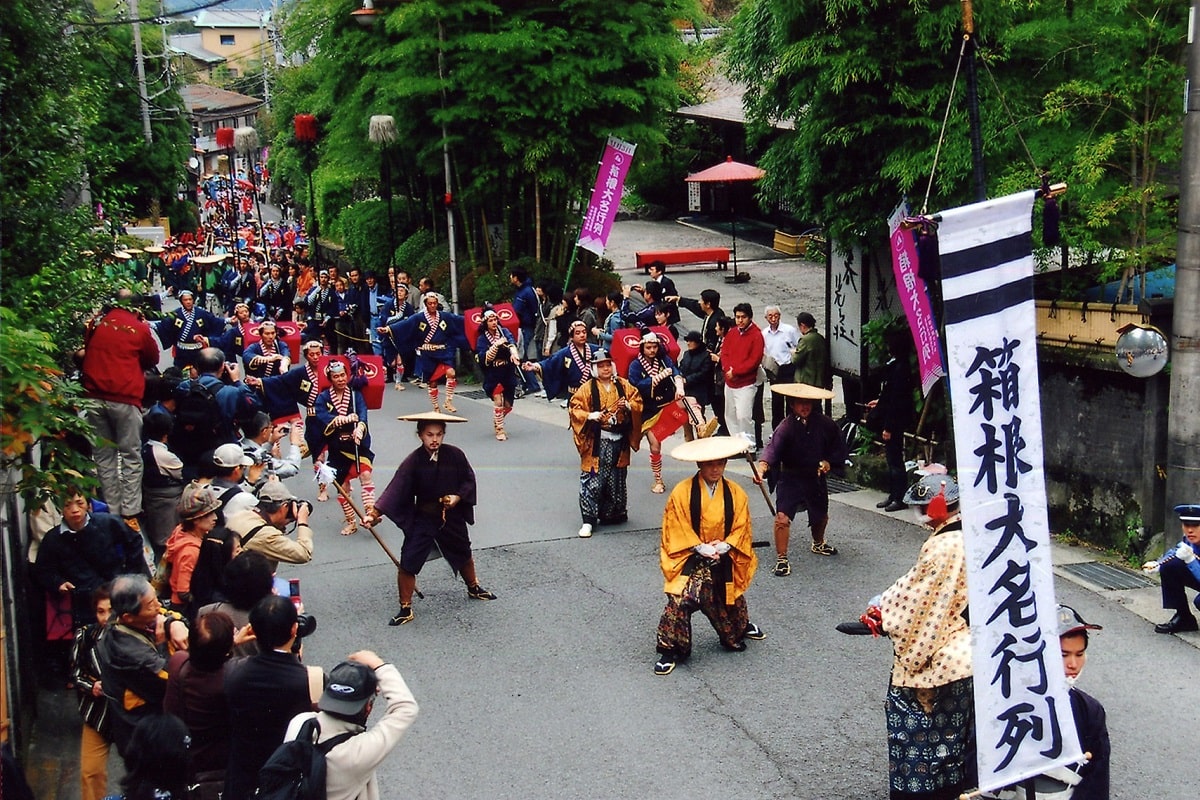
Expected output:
(758, 479)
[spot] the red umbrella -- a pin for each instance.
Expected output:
(729, 171)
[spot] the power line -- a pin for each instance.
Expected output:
(154, 19)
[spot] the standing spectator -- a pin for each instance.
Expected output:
(264, 692)
(893, 414)
(162, 481)
(432, 499)
(741, 354)
(528, 310)
(612, 323)
(245, 580)
(585, 312)
(85, 677)
(82, 552)
(199, 425)
(606, 420)
(811, 357)
(119, 350)
(706, 554)
(779, 339)
(196, 694)
(708, 309)
(197, 517)
(805, 448)
(696, 366)
(658, 274)
(157, 766)
(345, 707)
(133, 655)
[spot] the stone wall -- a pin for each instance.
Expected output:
(1105, 439)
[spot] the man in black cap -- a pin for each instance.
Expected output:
(1179, 568)
(345, 706)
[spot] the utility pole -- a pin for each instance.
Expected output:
(968, 17)
(143, 98)
(1183, 421)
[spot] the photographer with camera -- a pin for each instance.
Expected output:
(263, 528)
(264, 692)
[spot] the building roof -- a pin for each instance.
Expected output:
(201, 99)
(231, 18)
(728, 108)
(188, 44)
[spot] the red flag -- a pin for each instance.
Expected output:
(473, 321)
(627, 343)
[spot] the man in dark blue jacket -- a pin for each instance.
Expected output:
(526, 305)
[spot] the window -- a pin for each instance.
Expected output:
(227, 40)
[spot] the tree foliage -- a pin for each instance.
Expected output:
(1087, 92)
(526, 94)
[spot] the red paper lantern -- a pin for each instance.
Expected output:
(306, 127)
(225, 138)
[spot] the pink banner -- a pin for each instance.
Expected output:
(915, 300)
(606, 196)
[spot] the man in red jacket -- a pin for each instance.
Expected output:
(741, 353)
(119, 349)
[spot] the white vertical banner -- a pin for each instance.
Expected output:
(1024, 724)
(846, 277)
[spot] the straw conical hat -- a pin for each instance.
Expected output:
(155, 249)
(431, 416)
(215, 258)
(714, 448)
(801, 391)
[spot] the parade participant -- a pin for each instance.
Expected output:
(345, 707)
(805, 448)
(393, 310)
(566, 369)
(119, 348)
(810, 359)
(232, 342)
(741, 354)
(342, 415)
(660, 383)
(186, 328)
(197, 517)
(274, 294)
(269, 355)
(436, 336)
(497, 355)
(779, 339)
(85, 677)
(300, 385)
(261, 528)
(133, 655)
(432, 499)
(606, 420)
(1180, 570)
(1088, 780)
(929, 706)
(706, 554)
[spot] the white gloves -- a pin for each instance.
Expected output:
(594, 416)
(1150, 567)
(705, 549)
(1185, 553)
(721, 547)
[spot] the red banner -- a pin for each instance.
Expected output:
(369, 366)
(289, 334)
(627, 344)
(473, 321)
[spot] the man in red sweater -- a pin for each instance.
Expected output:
(118, 349)
(741, 353)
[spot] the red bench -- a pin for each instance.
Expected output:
(697, 255)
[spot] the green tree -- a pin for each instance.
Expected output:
(526, 94)
(1088, 93)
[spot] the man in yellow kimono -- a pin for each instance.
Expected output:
(606, 419)
(706, 554)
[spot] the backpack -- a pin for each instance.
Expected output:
(296, 770)
(198, 421)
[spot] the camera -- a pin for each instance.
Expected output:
(298, 504)
(305, 625)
